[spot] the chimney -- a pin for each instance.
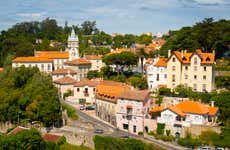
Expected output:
(165, 106)
(214, 52)
(182, 53)
(212, 103)
(169, 52)
(185, 51)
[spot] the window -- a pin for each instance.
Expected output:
(165, 76)
(42, 66)
(94, 89)
(173, 68)
(205, 69)
(173, 78)
(204, 77)
(125, 126)
(134, 129)
(195, 68)
(48, 67)
(195, 60)
(185, 76)
(174, 59)
(157, 77)
(78, 89)
(186, 68)
(194, 87)
(204, 87)
(195, 76)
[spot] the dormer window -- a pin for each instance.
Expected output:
(174, 59)
(207, 59)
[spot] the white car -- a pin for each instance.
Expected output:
(82, 107)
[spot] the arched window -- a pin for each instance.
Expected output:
(195, 60)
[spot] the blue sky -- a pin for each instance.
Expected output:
(122, 16)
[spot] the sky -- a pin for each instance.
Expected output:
(116, 16)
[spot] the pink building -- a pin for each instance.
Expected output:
(132, 110)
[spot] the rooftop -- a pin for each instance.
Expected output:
(80, 61)
(64, 71)
(162, 62)
(133, 94)
(51, 137)
(93, 57)
(53, 54)
(65, 81)
(32, 59)
(17, 129)
(91, 83)
(184, 107)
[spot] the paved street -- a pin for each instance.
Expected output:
(111, 131)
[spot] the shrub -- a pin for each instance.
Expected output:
(70, 111)
(160, 128)
(140, 133)
(168, 132)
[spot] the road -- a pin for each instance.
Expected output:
(109, 130)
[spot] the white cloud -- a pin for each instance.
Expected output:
(209, 1)
(32, 15)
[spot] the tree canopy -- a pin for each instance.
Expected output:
(26, 93)
(207, 35)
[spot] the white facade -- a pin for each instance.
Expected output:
(73, 46)
(156, 75)
(42, 66)
(84, 93)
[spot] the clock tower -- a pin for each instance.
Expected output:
(73, 46)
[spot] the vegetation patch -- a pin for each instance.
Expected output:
(70, 111)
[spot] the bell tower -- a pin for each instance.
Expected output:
(73, 46)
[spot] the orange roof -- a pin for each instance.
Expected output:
(65, 80)
(93, 57)
(121, 50)
(110, 90)
(51, 137)
(134, 94)
(162, 85)
(80, 61)
(32, 59)
(157, 108)
(64, 71)
(91, 83)
(53, 54)
(188, 107)
(206, 58)
(1, 69)
(162, 62)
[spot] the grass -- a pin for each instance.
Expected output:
(68, 146)
(70, 111)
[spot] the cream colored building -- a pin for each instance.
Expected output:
(195, 70)
(84, 91)
(61, 73)
(96, 61)
(64, 85)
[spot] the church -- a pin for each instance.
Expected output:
(62, 63)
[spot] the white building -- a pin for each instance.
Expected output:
(185, 114)
(157, 73)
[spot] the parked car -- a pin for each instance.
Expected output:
(82, 107)
(204, 148)
(219, 148)
(90, 108)
(98, 131)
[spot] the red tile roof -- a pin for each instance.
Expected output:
(32, 59)
(133, 94)
(80, 61)
(64, 71)
(17, 129)
(51, 137)
(53, 54)
(206, 58)
(91, 83)
(65, 81)
(189, 107)
(162, 62)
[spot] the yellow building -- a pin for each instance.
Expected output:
(195, 70)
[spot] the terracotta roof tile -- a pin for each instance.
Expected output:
(51, 137)
(162, 62)
(206, 58)
(17, 129)
(64, 71)
(189, 107)
(134, 94)
(32, 59)
(80, 61)
(65, 80)
(93, 57)
(91, 83)
(53, 54)
(110, 90)
(157, 109)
